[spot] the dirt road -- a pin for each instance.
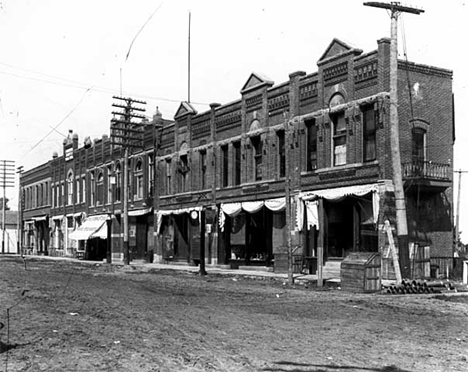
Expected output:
(68, 316)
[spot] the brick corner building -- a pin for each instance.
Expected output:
(217, 179)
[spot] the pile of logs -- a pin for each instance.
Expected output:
(419, 286)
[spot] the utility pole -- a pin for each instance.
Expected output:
(19, 239)
(7, 179)
(128, 134)
(287, 181)
(402, 225)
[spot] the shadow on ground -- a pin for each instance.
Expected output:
(305, 367)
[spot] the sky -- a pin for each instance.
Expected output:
(61, 61)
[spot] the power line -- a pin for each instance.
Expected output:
(80, 85)
(141, 29)
(61, 121)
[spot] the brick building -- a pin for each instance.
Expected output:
(217, 179)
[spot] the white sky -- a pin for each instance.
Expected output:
(61, 60)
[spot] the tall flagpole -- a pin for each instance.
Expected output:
(188, 75)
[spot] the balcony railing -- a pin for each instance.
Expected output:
(426, 169)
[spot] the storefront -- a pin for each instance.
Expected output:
(41, 227)
(93, 231)
(180, 234)
(252, 232)
(350, 217)
(141, 245)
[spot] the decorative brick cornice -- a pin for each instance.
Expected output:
(425, 69)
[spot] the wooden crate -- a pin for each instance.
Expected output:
(361, 272)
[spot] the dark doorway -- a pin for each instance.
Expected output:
(138, 237)
(181, 245)
(96, 249)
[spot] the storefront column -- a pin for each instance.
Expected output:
(320, 244)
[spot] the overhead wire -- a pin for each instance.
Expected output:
(80, 85)
(60, 123)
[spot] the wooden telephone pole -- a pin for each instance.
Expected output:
(127, 134)
(402, 226)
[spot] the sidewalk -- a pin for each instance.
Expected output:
(216, 270)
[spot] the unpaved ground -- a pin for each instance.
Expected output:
(65, 316)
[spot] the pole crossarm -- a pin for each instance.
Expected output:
(127, 134)
(394, 7)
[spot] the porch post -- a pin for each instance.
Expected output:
(320, 244)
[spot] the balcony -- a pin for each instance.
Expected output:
(426, 176)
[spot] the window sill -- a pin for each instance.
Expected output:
(345, 166)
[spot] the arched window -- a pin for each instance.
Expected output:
(150, 174)
(70, 178)
(109, 185)
(100, 188)
(138, 172)
(118, 182)
(92, 188)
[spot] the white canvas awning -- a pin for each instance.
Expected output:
(41, 218)
(233, 209)
(168, 212)
(335, 194)
(139, 212)
(339, 192)
(91, 228)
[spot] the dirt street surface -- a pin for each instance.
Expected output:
(71, 316)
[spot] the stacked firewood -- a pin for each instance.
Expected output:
(419, 287)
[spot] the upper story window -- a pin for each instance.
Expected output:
(36, 196)
(224, 165)
(311, 145)
(118, 182)
(150, 174)
(281, 154)
(83, 191)
(46, 193)
(100, 188)
(78, 190)
(183, 169)
(92, 188)
(53, 196)
(237, 162)
(258, 157)
(109, 185)
(41, 195)
(70, 179)
(203, 184)
(418, 145)
(369, 133)
(139, 179)
(339, 139)
(62, 193)
(168, 185)
(57, 195)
